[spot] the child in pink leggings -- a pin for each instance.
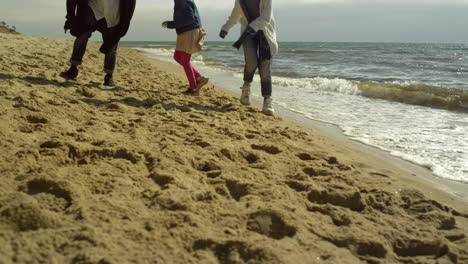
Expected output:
(195, 79)
(190, 38)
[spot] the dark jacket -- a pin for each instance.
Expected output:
(259, 37)
(77, 10)
(186, 16)
(75, 18)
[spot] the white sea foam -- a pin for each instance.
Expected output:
(166, 54)
(319, 84)
(159, 53)
(429, 137)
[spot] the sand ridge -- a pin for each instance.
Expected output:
(141, 173)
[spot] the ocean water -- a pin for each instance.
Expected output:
(408, 99)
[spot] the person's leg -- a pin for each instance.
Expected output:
(177, 55)
(109, 65)
(251, 63)
(265, 77)
(183, 59)
(265, 73)
(81, 42)
(195, 72)
(110, 57)
(79, 46)
(110, 60)
(79, 49)
(251, 58)
(265, 81)
(199, 79)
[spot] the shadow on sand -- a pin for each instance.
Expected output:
(37, 80)
(130, 101)
(148, 103)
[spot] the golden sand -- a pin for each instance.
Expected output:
(142, 173)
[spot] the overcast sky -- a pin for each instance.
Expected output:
(297, 20)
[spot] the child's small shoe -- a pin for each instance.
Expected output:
(192, 91)
(202, 81)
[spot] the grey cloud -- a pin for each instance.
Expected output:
(307, 20)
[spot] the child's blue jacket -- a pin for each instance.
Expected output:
(186, 16)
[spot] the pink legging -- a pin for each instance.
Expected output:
(183, 59)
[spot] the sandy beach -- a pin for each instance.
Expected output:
(142, 173)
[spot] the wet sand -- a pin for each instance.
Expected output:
(142, 173)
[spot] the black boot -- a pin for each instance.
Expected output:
(108, 81)
(71, 73)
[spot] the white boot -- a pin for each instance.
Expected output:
(268, 106)
(245, 94)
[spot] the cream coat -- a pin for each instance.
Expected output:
(265, 22)
(108, 9)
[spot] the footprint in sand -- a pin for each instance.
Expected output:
(429, 211)
(202, 143)
(298, 186)
(312, 172)
(363, 247)
(55, 102)
(48, 148)
(270, 149)
(416, 203)
(440, 220)
(237, 190)
(197, 118)
(34, 119)
(251, 134)
(344, 198)
(214, 174)
(339, 216)
(250, 157)
(270, 224)
(228, 153)
(412, 247)
(162, 180)
(84, 157)
(209, 165)
(305, 156)
(51, 144)
(334, 162)
(231, 189)
(23, 213)
(233, 252)
(86, 92)
(51, 195)
(27, 104)
(211, 168)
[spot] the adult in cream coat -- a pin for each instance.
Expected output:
(259, 44)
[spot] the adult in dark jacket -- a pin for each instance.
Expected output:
(110, 17)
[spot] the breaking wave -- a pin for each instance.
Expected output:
(417, 94)
(414, 93)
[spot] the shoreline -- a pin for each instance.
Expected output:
(382, 128)
(143, 173)
(422, 174)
